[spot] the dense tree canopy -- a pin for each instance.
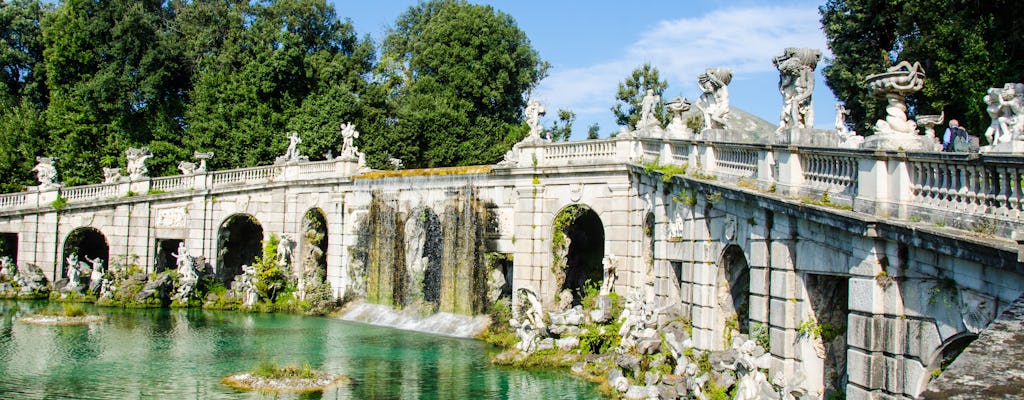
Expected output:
(83, 80)
(965, 47)
(459, 74)
(630, 96)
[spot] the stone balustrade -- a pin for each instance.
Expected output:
(966, 190)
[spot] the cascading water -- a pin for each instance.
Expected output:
(422, 262)
(381, 243)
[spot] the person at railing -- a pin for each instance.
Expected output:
(955, 138)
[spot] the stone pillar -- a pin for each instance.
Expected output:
(784, 295)
(765, 174)
(790, 180)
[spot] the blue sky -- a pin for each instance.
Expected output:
(594, 45)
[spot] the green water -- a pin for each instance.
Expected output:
(183, 354)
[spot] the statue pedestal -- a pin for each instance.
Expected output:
(903, 142)
(1013, 146)
(806, 137)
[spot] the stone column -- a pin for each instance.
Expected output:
(784, 295)
(790, 180)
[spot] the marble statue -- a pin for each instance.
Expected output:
(396, 163)
(97, 274)
(528, 320)
(534, 109)
(249, 277)
(137, 162)
(291, 154)
(929, 122)
(6, 267)
(647, 110)
(187, 276)
(608, 284)
(796, 83)
(714, 103)
(677, 127)
(111, 175)
(202, 157)
(285, 249)
(894, 85)
(73, 274)
(348, 136)
(187, 168)
(1006, 107)
(848, 139)
(45, 172)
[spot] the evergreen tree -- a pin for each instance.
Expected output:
(630, 95)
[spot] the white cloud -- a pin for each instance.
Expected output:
(744, 39)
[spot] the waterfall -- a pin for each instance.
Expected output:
(381, 241)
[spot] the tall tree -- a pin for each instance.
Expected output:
(561, 129)
(594, 131)
(458, 75)
(630, 96)
(23, 91)
(965, 47)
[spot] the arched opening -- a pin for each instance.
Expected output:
(945, 355)
(9, 246)
(578, 247)
(86, 244)
(165, 251)
(239, 242)
(424, 245)
(734, 292)
(314, 247)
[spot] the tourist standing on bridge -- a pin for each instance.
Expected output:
(954, 132)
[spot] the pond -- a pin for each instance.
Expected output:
(183, 354)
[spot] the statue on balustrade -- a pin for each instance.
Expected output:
(647, 109)
(137, 162)
(534, 109)
(202, 157)
(187, 168)
(348, 136)
(1006, 107)
(45, 172)
(677, 128)
(111, 175)
(714, 103)
(292, 153)
(796, 83)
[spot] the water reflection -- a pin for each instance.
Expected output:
(142, 354)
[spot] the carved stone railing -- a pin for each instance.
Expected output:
(13, 200)
(986, 185)
(574, 152)
(91, 192)
(245, 175)
(172, 183)
(316, 169)
(831, 172)
(735, 160)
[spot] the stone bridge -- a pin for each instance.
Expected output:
(865, 267)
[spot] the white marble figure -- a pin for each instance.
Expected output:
(202, 157)
(111, 175)
(534, 109)
(714, 102)
(894, 85)
(97, 274)
(187, 168)
(677, 127)
(46, 173)
(285, 249)
(7, 268)
(348, 136)
(608, 284)
(647, 108)
(528, 320)
(137, 162)
(1006, 107)
(796, 83)
(292, 153)
(187, 276)
(248, 289)
(396, 163)
(73, 273)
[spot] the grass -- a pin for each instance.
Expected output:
(269, 369)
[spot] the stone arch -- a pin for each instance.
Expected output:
(87, 243)
(239, 242)
(9, 246)
(948, 351)
(733, 292)
(313, 261)
(578, 246)
(424, 245)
